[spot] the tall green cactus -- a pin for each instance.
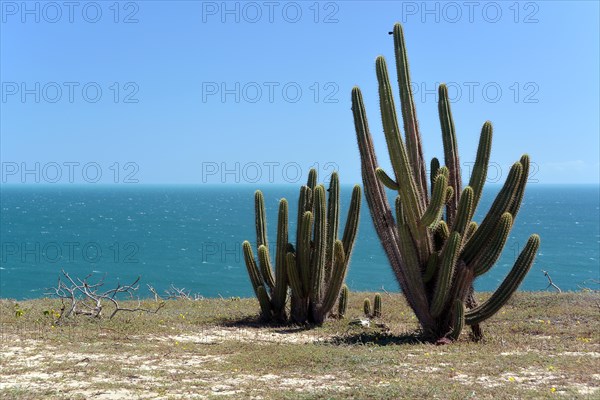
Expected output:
(434, 247)
(272, 302)
(318, 266)
(315, 269)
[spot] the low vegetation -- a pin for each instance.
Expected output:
(545, 345)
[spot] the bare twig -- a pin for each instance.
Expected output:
(175, 293)
(85, 298)
(550, 283)
(385, 291)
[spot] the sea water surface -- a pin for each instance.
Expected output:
(190, 236)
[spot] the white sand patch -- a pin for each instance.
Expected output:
(592, 354)
(221, 334)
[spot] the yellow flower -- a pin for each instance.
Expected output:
(511, 379)
(553, 389)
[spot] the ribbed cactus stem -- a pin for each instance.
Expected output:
(463, 213)
(518, 196)
(434, 209)
(343, 301)
(377, 306)
(508, 286)
(337, 280)
(264, 260)
(433, 173)
(470, 230)
(387, 180)
(431, 269)
(443, 231)
(260, 218)
(479, 173)
(304, 248)
(318, 252)
(409, 115)
(294, 276)
(367, 307)
(487, 257)
(333, 221)
(397, 150)
(451, 158)
(281, 281)
(500, 206)
(445, 272)
(458, 320)
(352, 220)
(253, 272)
(312, 179)
(265, 303)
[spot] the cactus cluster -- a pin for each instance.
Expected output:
(315, 268)
(376, 307)
(434, 247)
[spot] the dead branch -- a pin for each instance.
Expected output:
(175, 293)
(550, 283)
(81, 297)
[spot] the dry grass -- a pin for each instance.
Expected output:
(541, 345)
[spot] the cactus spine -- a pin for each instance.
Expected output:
(315, 269)
(434, 247)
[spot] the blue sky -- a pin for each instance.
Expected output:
(253, 92)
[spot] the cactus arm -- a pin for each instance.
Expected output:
(265, 303)
(441, 234)
(450, 149)
(317, 266)
(294, 276)
(333, 221)
(281, 280)
(487, 257)
(500, 206)
(435, 207)
(433, 173)
(445, 272)
(470, 230)
(377, 306)
(312, 179)
(265, 266)
(409, 115)
(479, 173)
(508, 286)
(303, 249)
(253, 272)
(343, 301)
(381, 212)
(352, 220)
(260, 219)
(397, 150)
(458, 320)
(387, 180)
(304, 204)
(367, 307)
(518, 197)
(463, 213)
(337, 280)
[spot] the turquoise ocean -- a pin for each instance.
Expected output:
(190, 236)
